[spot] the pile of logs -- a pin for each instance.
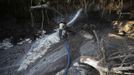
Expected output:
(116, 56)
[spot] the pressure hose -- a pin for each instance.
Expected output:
(63, 36)
(66, 45)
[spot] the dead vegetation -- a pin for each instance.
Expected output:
(115, 56)
(63, 8)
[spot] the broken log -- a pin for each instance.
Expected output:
(39, 6)
(103, 69)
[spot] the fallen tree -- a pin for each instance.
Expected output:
(115, 56)
(103, 70)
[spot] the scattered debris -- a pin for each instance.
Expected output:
(115, 56)
(124, 27)
(86, 35)
(25, 40)
(103, 69)
(60, 72)
(115, 35)
(6, 44)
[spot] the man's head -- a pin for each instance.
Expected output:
(62, 25)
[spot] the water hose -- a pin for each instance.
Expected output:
(66, 45)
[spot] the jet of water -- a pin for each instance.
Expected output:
(75, 17)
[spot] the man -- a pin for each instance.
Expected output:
(63, 30)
